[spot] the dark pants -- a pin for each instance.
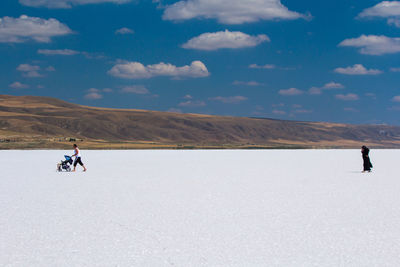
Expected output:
(367, 164)
(78, 160)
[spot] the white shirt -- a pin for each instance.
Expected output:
(77, 152)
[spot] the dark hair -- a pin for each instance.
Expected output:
(75, 145)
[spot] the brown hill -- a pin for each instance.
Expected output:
(42, 122)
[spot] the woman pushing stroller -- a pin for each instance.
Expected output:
(78, 158)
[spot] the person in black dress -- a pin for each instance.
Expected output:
(366, 159)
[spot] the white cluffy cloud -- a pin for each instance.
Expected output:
(95, 94)
(135, 89)
(394, 21)
(58, 52)
(230, 11)
(18, 85)
(66, 3)
(224, 39)
(191, 102)
(384, 9)
(136, 70)
(358, 69)
(328, 86)
(30, 71)
(315, 90)
(290, 92)
(333, 85)
(374, 44)
(24, 28)
(396, 98)
(347, 97)
(395, 69)
(124, 31)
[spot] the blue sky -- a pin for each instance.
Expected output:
(310, 60)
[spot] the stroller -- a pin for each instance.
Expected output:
(65, 164)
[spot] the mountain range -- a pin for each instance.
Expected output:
(43, 122)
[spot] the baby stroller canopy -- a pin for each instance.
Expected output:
(68, 158)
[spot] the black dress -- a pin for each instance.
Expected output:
(367, 161)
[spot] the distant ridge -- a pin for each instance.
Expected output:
(44, 122)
